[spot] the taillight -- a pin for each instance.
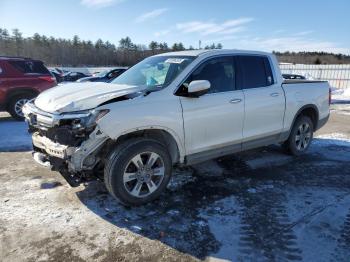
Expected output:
(47, 78)
(329, 96)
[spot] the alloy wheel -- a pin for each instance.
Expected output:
(19, 105)
(143, 174)
(303, 136)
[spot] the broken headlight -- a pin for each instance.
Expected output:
(85, 119)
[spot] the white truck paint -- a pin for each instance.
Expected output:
(192, 126)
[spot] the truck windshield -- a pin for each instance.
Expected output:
(154, 72)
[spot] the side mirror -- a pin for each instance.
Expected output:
(198, 87)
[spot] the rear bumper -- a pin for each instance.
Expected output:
(322, 122)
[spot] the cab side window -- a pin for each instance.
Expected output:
(255, 71)
(220, 72)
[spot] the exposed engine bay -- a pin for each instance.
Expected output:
(70, 141)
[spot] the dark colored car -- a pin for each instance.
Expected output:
(293, 76)
(73, 76)
(57, 75)
(104, 76)
(21, 79)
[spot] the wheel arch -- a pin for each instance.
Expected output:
(166, 137)
(309, 110)
(19, 91)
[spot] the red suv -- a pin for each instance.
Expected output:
(21, 79)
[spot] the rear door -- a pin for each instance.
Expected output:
(214, 120)
(3, 83)
(31, 74)
(264, 101)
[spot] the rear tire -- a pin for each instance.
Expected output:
(137, 171)
(16, 103)
(300, 136)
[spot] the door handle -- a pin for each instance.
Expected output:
(235, 101)
(274, 94)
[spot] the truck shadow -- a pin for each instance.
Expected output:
(174, 219)
(186, 215)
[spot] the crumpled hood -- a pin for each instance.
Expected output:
(80, 96)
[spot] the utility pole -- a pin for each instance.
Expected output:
(199, 44)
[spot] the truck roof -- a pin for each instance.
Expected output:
(199, 52)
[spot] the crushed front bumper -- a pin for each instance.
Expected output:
(77, 159)
(57, 145)
(52, 148)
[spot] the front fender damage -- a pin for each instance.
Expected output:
(73, 162)
(85, 157)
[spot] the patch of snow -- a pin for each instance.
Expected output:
(180, 178)
(173, 212)
(339, 138)
(226, 229)
(318, 216)
(340, 94)
(14, 136)
(136, 228)
(252, 190)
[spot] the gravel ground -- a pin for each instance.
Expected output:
(255, 206)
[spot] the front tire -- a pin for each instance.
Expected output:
(138, 171)
(301, 136)
(16, 103)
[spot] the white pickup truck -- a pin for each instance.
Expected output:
(172, 109)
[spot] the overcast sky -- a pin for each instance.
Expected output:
(260, 25)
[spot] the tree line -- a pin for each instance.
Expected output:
(77, 52)
(316, 58)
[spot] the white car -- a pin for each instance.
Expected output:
(172, 109)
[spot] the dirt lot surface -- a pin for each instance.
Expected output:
(257, 206)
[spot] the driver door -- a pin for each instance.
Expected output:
(213, 122)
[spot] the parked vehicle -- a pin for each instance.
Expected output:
(21, 79)
(58, 76)
(104, 76)
(293, 76)
(171, 109)
(61, 71)
(73, 76)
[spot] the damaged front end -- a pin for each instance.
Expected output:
(68, 142)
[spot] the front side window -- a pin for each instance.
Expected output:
(220, 72)
(255, 71)
(154, 72)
